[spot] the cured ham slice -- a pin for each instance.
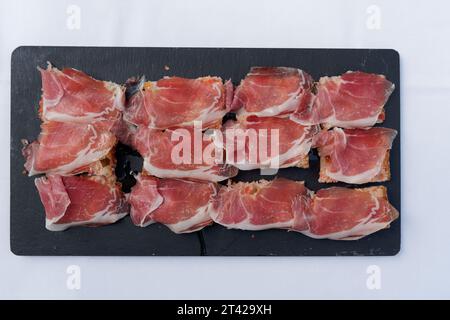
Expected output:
(345, 214)
(80, 201)
(355, 155)
(267, 142)
(271, 91)
(258, 205)
(182, 205)
(335, 213)
(181, 153)
(68, 148)
(69, 95)
(176, 102)
(352, 100)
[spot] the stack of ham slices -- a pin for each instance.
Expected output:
(276, 115)
(75, 150)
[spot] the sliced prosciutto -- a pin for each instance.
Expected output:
(271, 91)
(345, 214)
(335, 213)
(176, 102)
(80, 201)
(68, 148)
(258, 205)
(182, 153)
(70, 95)
(182, 205)
(355, 155)
(267, 142)
(352, 100)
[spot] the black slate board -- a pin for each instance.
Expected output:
(28, 234)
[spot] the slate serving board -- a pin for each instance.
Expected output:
(28, 233)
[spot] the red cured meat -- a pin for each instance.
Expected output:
(355, 155)
(353, 100)
(80, 200)
(263, 142)
(159, 149)
(271, 91)
(182, 205)
(334, 213)
(67, 148)
(346, 214)
(70, 95)
(258, 205)
(175, 102)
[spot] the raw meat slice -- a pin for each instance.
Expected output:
(176, 102)
(271, 91)
(69, 95)
(182, 205)
(80, 201)
(335, 213)
(354, 155)
(267, 142)
(67, 148)
(181, 153)
(352, 100)
(258, 205)
(345, 214)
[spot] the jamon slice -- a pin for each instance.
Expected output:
(352, 100)
(271, 91)
(258, 205)
(69, 95)
(345, 214)
(176, 102)
(267, 142)
(67, 148)
(182, 205)
(355, 155)
(334, 213)
(181, 153)
(80, 201)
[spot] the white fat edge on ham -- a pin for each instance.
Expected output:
(201, 173)
(362, 177)
(49, 115)
(289, 105)
(84, 158)
(198, 221)
(246, 224)
(108, 215)
(207, 116)
(156, 203)
(300, 147)
(45, 181)
(363, 228)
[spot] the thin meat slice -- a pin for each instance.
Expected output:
(271, 91)
(183, 153)
(68, 148)
(335, 213)
(183, 206)
(352, 100)
(80, 201)
(70, 95)
(355, 155)
(267, 142)
(345, 214)
(176, 102)
(258, 205)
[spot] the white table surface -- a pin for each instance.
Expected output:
(420, 32)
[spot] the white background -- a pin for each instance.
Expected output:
(420, 32)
